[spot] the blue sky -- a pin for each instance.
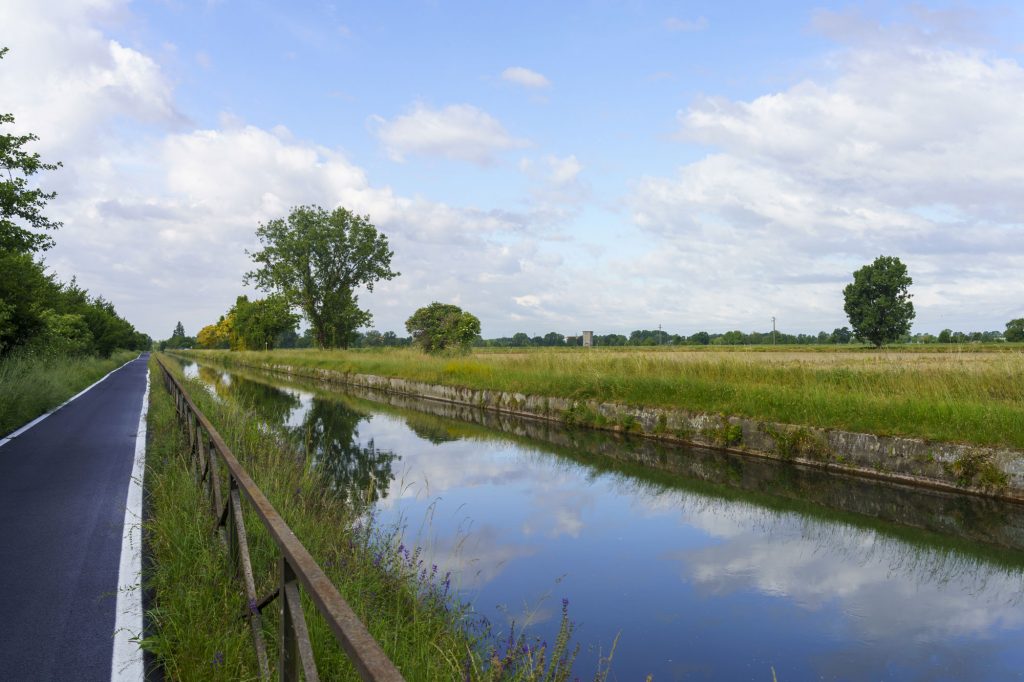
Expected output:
(549, 166)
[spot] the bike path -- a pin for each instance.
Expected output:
(63, 489)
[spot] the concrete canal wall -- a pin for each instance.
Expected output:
(995, 472)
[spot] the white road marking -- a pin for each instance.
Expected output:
(127, 662)
(41, 417)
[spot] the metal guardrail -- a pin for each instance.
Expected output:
(296, 566)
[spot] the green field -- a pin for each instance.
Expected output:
(972, 393)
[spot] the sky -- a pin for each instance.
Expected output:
(546, 166)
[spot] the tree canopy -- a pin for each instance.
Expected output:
(257, 324)
(1014, 330)
(316, 260)
(878, 301)
(442, 326)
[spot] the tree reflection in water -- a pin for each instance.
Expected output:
(361, 473)
(273, 405)
(328, 434)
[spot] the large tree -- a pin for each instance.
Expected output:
(442, 326)
(317, 259)
(878, 301)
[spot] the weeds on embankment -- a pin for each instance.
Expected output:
(941, 395)
(32, 384)
(407, 606)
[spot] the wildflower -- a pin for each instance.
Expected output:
(218, 658)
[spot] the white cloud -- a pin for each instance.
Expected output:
(686, 25)
(912, 151)
(458, 131)
(82, 84)
(165, 213)
(564, 170)
(525, 77)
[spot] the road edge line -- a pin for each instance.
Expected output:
(127, 664)
(22, 429)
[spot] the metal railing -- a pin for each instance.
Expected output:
(296, 566)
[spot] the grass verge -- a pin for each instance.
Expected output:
(941, 395)
(31, 385)
(406, 605)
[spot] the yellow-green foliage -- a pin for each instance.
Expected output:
(940, 393)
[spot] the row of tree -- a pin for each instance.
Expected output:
(657, 337)
(38, 313)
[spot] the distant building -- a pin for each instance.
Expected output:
(588, 339)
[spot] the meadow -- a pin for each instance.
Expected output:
(971, 393)
(32, 384)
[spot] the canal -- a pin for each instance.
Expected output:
(704, 565)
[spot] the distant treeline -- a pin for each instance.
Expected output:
(657, 337)
(639, 337)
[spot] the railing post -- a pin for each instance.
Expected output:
(215, 497)
(231, 528)
(288, 660)
(210, 470)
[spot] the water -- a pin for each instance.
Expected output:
(707, 566)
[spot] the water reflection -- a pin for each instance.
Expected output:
(709, 565)
(356, 470)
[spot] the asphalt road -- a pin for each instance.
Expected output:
(63, 485)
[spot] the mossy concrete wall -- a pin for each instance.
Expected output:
(997, 472)
(970, 517)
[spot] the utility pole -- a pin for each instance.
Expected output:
(659, 333)
(773, 330)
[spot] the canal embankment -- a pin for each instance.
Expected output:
(995, 469)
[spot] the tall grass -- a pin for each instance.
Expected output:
(944, 395)
(32, 384)
(405, 604)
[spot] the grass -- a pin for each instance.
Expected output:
(970, 394)
(404, 603)
(31, 385)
